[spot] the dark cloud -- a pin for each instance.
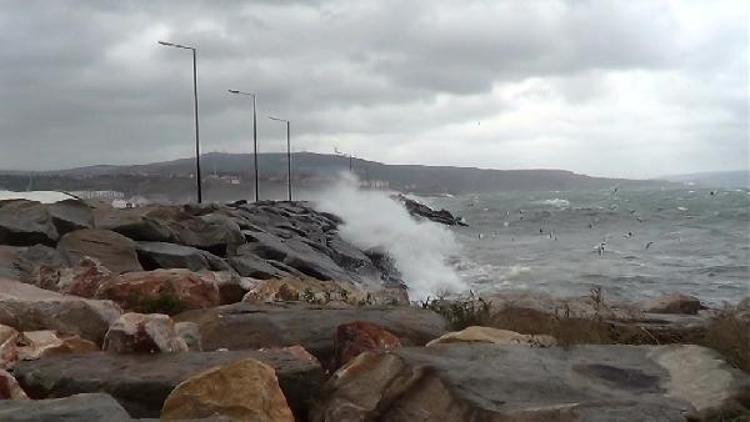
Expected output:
(453, 82)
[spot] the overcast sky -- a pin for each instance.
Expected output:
(615, 88)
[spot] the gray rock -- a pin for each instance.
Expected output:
(77, 408)
(478, 382)
(190, 332)
(70, 215)
(8, 257)
(146, 224)
(28, 308)
(297, 254)
(153, 255)
(250, 326)
(26, 223)
(214, 233)
(31, 259)
(248, 264)
(141, 383)
(111, 249)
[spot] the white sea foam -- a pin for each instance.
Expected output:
(373, 220)
(45, 197)
(557, 202)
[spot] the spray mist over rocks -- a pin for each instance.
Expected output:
(372, 219)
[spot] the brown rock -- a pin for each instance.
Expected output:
(162, 291)
(29, 308)
(359, 337)
(113, 250)
(9, 388)
(8, 346)
(477, 334)
(139, 333)
(26, 223)
(675, 303)
(245, 390)
(34, 345)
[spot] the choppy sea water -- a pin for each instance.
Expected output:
(633, 243)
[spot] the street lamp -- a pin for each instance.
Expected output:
(197, 128)
(255, 137)
(288, 155)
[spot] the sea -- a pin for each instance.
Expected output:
(634, 244)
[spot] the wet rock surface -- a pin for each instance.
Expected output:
(477, 382)
(417, 209)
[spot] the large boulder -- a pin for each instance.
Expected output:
(358, 337)
(491, 335)
(244, 390)
(147, 224)
(247, 264)
(77, 408)
(162, 291)
(28, 308)
(250, 326)
(214, 233)
(111, 249)
(675, 303)
(70, 215)
(295, 253)
(26, 223)
(139, 333)
(486, 382)
(141, 383)
(153, 255)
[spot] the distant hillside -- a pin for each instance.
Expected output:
(310, 170)
(717, 179)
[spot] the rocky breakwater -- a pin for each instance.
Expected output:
(88, 295)
(420, 210)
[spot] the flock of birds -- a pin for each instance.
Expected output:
(600, 248)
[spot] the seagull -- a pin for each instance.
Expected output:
(648, 245)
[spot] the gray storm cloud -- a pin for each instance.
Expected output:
(634, 89)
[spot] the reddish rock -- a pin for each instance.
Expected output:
(162, 291)
(9, 388)
(139, 333)
(83, 280)
(358, 337)
(113, 250)
(8, 346)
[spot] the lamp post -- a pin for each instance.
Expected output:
(288, 155)
(197, 127)
(255, 136)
